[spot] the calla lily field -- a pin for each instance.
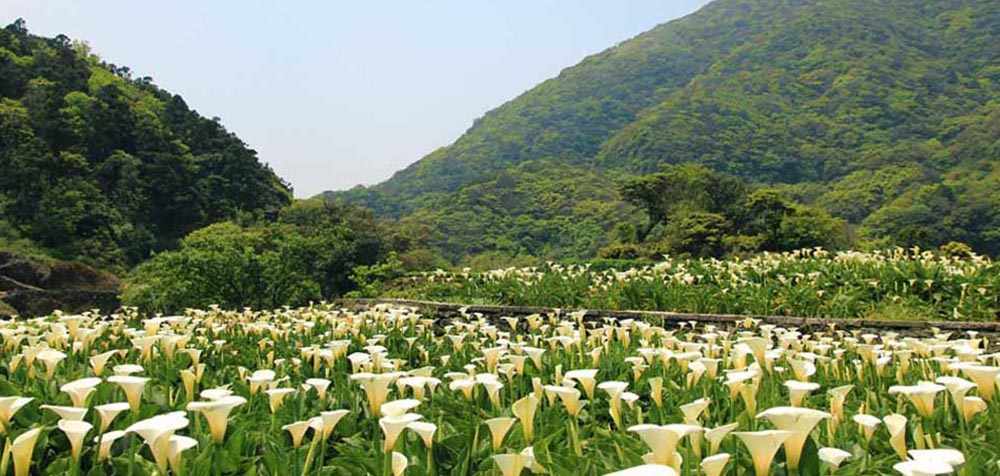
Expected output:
(894, 284)
(760, 238)
(388, 391)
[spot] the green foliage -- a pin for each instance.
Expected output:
(106, 168)
(966, 209)
(680, 190)
(839, 86)
(314, 251)
(896, 284)
(568, 117)
(421, 259)
(859, 194)
(697, 233)
(373, 280)
(623, 251)
(301, 354)
(225, 265)
(13, 242)
(335, 240)
(811, 227)
(538, 210)
(698, 212)
(956, 249)
(885, 114)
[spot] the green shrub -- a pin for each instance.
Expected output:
(229, 266)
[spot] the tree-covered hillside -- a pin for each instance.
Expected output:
(100, 166)
(541, 208)
(841, 86)
(883, 112)
(567, 118)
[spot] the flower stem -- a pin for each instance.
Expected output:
(430, 461)
(5, 461)
(216, 467)
(296, 455)
(131, 454)
(310, 455)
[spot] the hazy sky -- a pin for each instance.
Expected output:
(338, 93)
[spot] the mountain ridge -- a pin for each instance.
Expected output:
(802, 95)
(611, 104)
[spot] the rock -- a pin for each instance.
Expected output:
(29, 272)
(7, 284)
(43, 302)
(6, 311)
(76, 276)
(30, 287)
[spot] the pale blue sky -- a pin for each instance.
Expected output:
(338, 93)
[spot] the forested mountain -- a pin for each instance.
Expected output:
(885, 113)
(100, 166)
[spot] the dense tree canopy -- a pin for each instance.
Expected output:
(694, 211)
(106, 168)
(308, 254)
(882, 113)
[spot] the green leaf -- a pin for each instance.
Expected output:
(809, 464)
